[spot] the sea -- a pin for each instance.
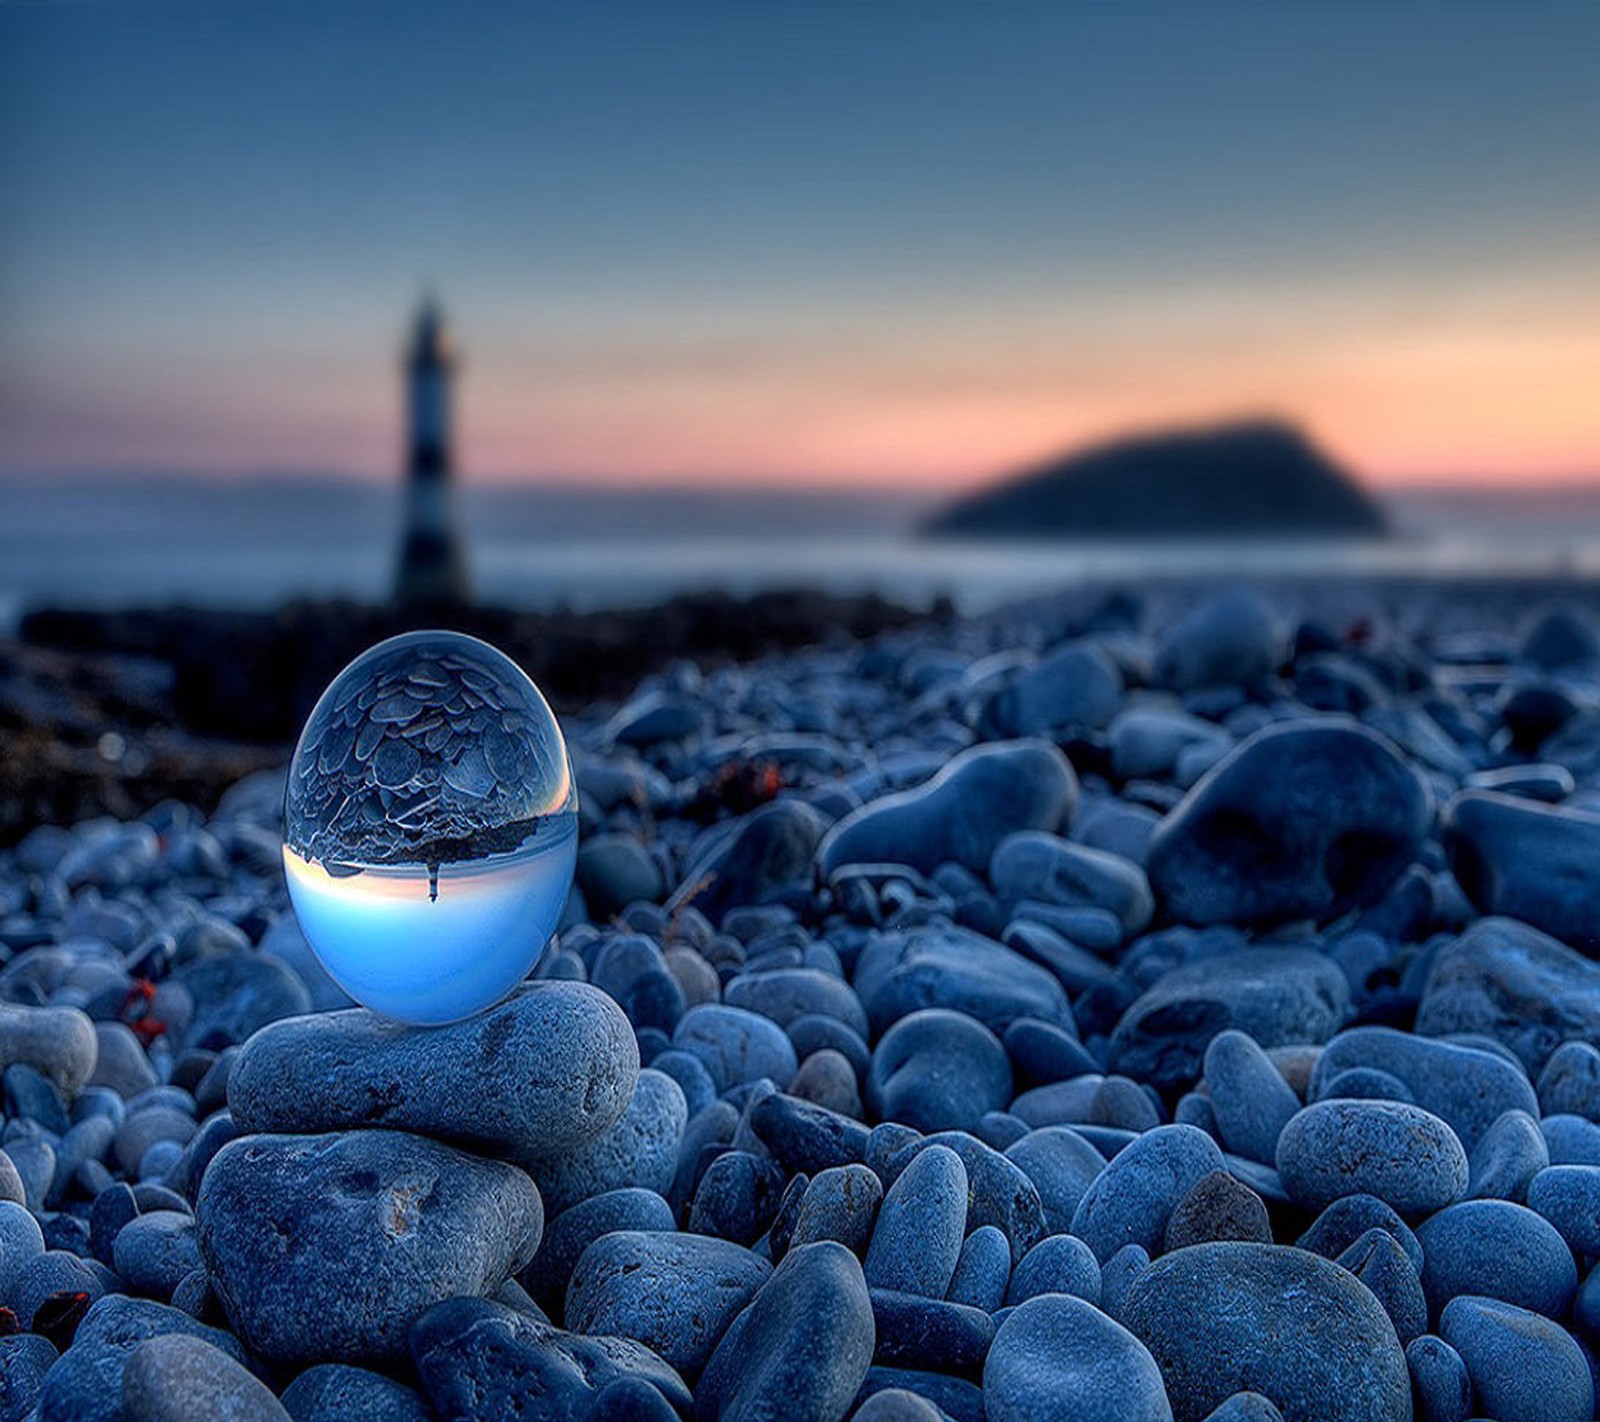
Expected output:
(256, 542)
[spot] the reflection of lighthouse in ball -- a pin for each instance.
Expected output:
(431, 827)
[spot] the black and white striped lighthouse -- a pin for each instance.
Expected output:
(433, 570)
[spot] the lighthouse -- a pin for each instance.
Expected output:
(432, 572)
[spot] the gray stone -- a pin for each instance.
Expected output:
(1403, 1155)
(801, 1349)
(60, 1042)
(1131, 1200)
(1059, 1359)
(538, 1076)
(675, 1293)
(639, 1151)
(1505, 980)
(982, 795)
(1468, 1089)
(1523, 1367)
(380, 1225)
(1241, 848)
(180, 1378)
(921, 1224)
(1274, 995)
(1223, 1318)
(86, 1384)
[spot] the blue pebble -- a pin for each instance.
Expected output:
(1571, 1140)
(839, 1204)
(1495, 1249)
(1569, 1085)
(1117, 1276)
(983, 1270)
(803, 1346)
(938, 1070)
(1365, 1084)
(736, 1046)
(1058, 1264)
(915, 1332)
(921, 1224)
(1465, 1086)
(572, 1231)
(737, 1197)
(897, 1404)
(1062, 1166)
(1381, 1264)
(999, 1193)
(1523, 1367)
(1130, 1201)
(1042, 1052)
(1056, 1358)
(24, 1360)
(699, 1091)
(1439, 1382)
(1347, 1219)
(1246, 1407)
(1569, 1197)
(1507, 1157)
(1196, 1110)
(652, 1043)
(1406, 1156)
(1227, 1317)
(953, 1398)
(1249, 1097)
(1000, 1129)
(813, 1031)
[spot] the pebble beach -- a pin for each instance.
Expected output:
(1177, 1007)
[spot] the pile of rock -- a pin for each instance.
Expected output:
(1155, 1017)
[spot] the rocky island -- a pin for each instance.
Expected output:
(1260, 479)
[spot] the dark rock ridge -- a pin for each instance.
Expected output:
(1257, 477)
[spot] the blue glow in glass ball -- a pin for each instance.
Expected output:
(430, 827)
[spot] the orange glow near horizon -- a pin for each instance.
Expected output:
(1491, 387)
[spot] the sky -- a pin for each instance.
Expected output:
(831, 243)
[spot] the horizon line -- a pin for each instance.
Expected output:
(620, 481)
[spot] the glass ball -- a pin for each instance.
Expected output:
(430, 827)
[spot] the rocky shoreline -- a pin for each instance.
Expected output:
(111, 712)
(1166, 1007)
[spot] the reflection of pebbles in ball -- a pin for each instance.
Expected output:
(431, 764)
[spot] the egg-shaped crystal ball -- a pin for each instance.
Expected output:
(430, 827)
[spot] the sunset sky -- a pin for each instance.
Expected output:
(843, 243)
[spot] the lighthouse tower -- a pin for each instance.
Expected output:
(432, 572)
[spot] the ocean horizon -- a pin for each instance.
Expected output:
(251, 543)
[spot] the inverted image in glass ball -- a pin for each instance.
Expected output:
(430, 827)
